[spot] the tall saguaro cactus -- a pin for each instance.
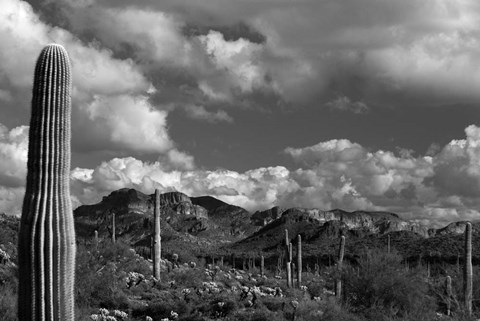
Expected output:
(448, 290)
(288, 266)
(262, 265)
(114, 230)
(46, 246)
(157, 245)
(341, 252)
(467, 270)
(299, 261)
(388, 243)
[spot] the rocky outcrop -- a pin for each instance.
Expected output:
(262, 218)
(173, 198)
(369, 222)
(452, 228)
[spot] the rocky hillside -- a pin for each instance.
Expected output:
(205, 225)
(200, 222)
(369, 222)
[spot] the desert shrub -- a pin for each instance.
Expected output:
(381, 286)
(8, 302)
(273, 303)
(258, 314)
(334, 312)
(158, 308)
(97, 280)
(315, 288)
(187, 277)
(309, 310)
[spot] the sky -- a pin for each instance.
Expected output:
(358, 105)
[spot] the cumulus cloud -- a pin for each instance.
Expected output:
(110, 95)
(378, 50)
(333, 174)
(13, 167)
(125, 122)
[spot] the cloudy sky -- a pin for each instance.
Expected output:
(371, 104)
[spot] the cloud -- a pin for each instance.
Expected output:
(333, 174)
(13, 167)
(200, 113)
(457, 166)
(124, 122)
(13, 156)
(384, 52)
(111, 96)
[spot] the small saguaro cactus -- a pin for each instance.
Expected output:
(262, 265)
(96, 240)
(467, 270)
(289, 274)
(299, 261)
(388, 243)
(290, 252)
(341, 252)
(448, 290)
(288, 259)
(157, 240)
(46, 245)
(114, 240)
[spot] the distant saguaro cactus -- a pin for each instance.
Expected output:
(467, 270)
(262, 265)
(388, 243)
(341, 252)
(289, 274)
(299, 261)
(96, 240)
(157, 245)
(288, 259)
(448, 290)
(114, 240)
(46, 246)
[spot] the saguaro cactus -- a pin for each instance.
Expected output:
(388, 243)
(113, 228)
(289, 274)
(46, 246)
(288, 259)
(341, 252)
(157, 245)
(448, 290)
(96, 240)
(262, 265)
(299, 261)
(467, 270)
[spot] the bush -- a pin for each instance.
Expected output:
(380, 286)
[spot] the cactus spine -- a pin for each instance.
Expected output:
(299, 261)
(448, 286)
(46, 246)
(341, 252)
(467, 271)
(157, 245)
